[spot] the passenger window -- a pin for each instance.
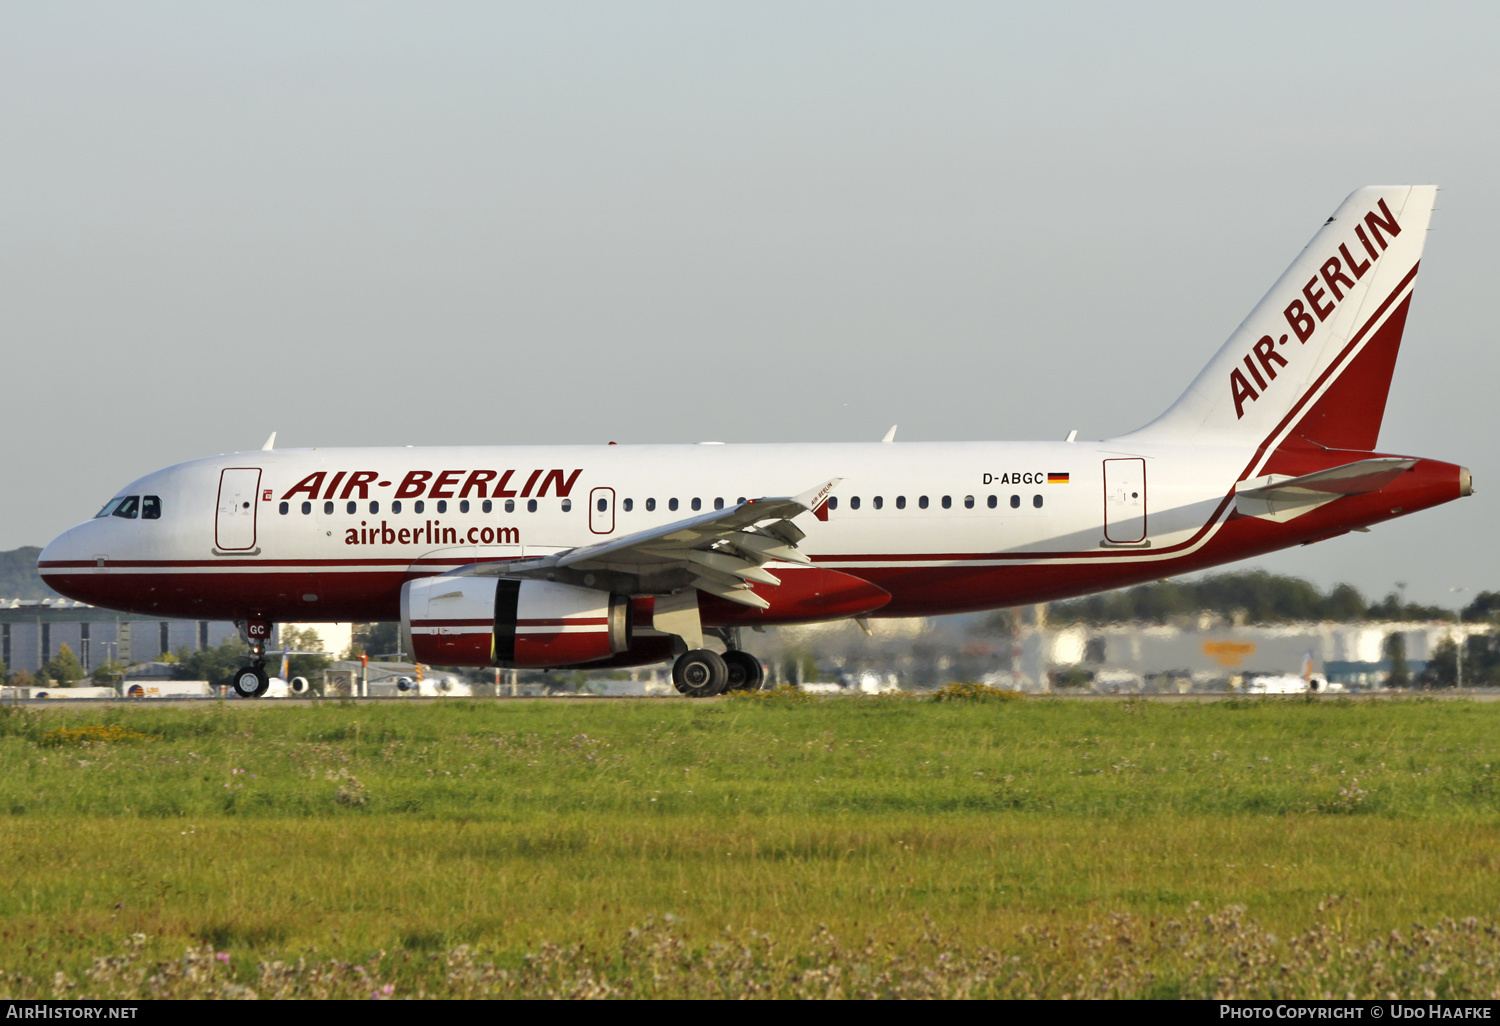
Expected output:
(900, 502)
(463, 505)
(1036, 500)
(697, 504)
(488, 507)
(650, 505)
(151, 507)
(353, 507)
(442, 506)
(530, 506)
(306, 508)
(629, 505)
(129, 507)
(947, 502)
(879, 501)
(993, 501)
(968, 502)
(418, 506)
(1015, 502)
(740, 501)
(285, 506)
(510, 506)
(396, 506)
(922, 501)
(672, 505)
(567, 505)
(374, 506)
(833, 502)
(718, 503)
(603, 504)
(328, 508)
(854, 502)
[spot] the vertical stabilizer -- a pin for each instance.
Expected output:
(1315, 356)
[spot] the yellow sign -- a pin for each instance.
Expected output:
(1229, 653)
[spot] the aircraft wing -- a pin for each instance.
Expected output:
(722, 552)
(1275, 497)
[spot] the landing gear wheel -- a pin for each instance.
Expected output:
(745, 671)
(250, 682)
(700, 673)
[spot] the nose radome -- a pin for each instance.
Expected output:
(67, 549)
(54, 551)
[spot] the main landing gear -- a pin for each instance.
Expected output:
(702, 673)
(252, 681)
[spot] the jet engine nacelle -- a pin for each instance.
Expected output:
(485, 621)
(298, 686)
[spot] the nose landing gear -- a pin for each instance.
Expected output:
(252, 681)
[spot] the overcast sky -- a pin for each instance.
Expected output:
(426, 223)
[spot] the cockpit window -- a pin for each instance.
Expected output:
(110, 507)
(151, 507)
(129, 507)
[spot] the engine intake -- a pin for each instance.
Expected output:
(476, 621)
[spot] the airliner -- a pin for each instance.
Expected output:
(608, 555)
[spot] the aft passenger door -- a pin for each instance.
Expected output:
(1125, 501)
(602, 510)
(234, 530)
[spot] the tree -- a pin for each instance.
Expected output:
(107, 674)
(1482, 659)
(4, 674)
(1442, 669)
(63, 668)
(214, 665)
(1484, 607)
(1390, 608)
(304, 640)
(1253, 596)
(1395, 652)
(1344, 603)
(377, 640)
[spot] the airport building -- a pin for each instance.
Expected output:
(1131, 656)
(33, 631)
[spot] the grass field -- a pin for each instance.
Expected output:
(1263, 847)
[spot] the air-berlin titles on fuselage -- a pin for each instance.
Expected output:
(429, 484)
(1321, 299)
(430, 533)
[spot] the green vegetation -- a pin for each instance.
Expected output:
(877, 845)
(1254, 597)
(18, 576)
(63, 669)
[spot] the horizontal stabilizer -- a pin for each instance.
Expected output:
(1281, 498)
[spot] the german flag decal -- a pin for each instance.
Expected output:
(1057, 478)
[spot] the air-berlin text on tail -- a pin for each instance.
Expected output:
(1320, 296)
(435, 484)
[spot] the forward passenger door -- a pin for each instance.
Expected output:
(234, 530)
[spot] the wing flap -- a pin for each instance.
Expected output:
(722, 552)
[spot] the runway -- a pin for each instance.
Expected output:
(1447, 694)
